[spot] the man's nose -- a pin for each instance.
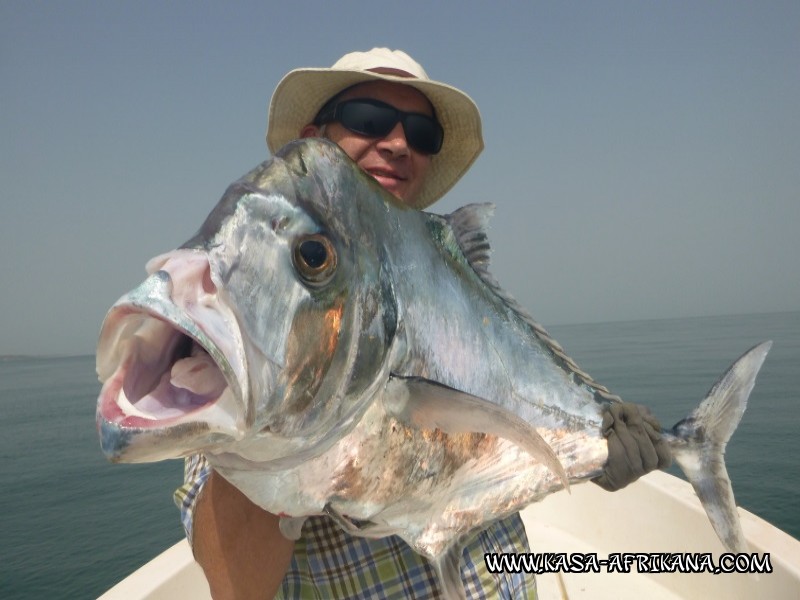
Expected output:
(395, 141)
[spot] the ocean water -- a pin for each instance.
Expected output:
(71, 524)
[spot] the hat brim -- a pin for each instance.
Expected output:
(302, 92)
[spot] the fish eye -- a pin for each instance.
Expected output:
(314, 259)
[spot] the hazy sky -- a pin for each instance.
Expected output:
(644, 156)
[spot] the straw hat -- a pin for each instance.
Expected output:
(302, 92)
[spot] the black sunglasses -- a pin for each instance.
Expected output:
(373, 118)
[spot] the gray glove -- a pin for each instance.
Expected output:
(635, 445)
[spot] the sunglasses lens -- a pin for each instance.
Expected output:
(372, 119)
(368, 119)
(423, 133)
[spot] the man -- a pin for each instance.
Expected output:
(416, 137)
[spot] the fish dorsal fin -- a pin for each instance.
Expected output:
(469, 225)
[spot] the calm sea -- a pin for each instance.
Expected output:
(72, 524)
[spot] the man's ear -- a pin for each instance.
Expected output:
(310, 130)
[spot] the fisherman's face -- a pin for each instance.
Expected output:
(390, 160)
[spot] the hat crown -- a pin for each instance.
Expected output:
(381, 59)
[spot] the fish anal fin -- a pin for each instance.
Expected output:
(448, 572)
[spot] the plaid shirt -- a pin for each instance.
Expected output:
(329, 563)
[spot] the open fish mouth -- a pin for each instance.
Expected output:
(164, 377)
(167, 381)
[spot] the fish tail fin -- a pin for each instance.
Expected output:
(699, 444)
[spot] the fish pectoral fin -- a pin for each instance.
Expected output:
(427, 404)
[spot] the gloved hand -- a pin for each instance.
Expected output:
(635, 445)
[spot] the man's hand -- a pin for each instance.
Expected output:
(635, 445)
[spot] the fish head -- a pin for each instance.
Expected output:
(266, 335)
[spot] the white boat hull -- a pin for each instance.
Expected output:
(584, 522)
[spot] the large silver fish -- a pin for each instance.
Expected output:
(332, 351)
